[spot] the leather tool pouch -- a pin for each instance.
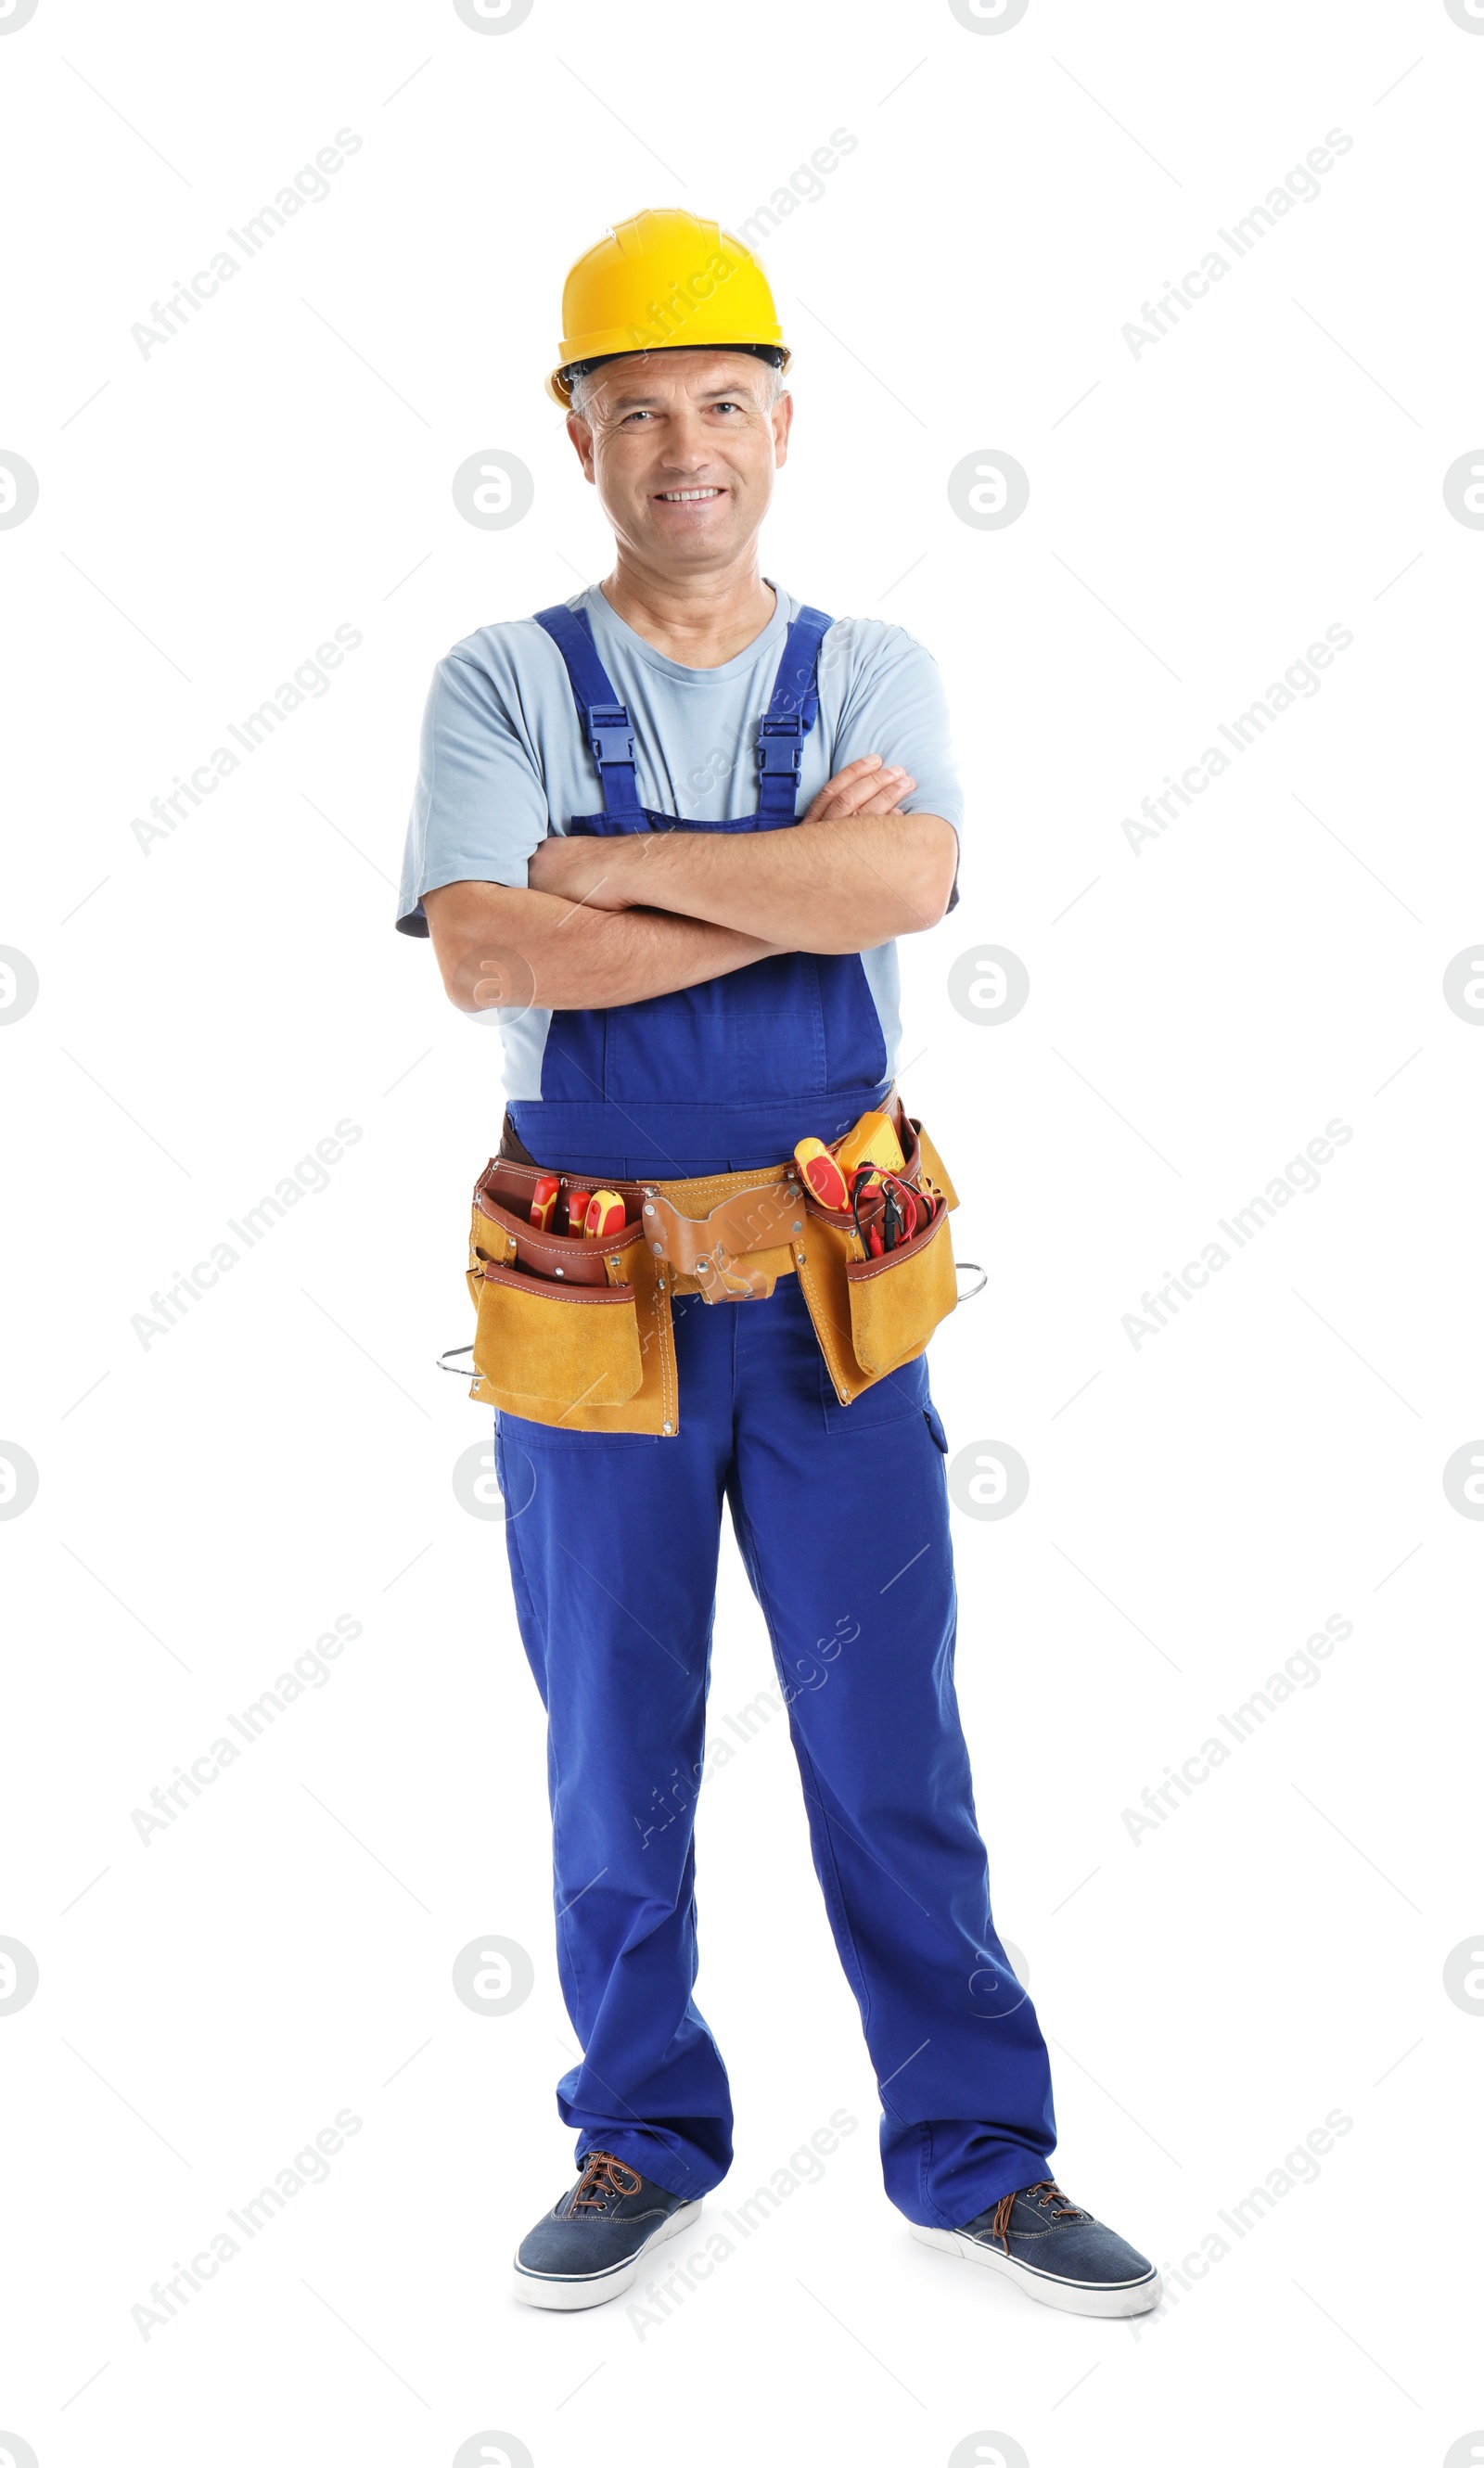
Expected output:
(872, 1316)
(570, 1333)
(897, 1302)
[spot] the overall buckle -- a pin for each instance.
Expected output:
(611, 734)
(781, 747)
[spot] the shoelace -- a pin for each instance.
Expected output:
(1051, 2192)
(604, 2176)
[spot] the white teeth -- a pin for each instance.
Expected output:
(683, 496)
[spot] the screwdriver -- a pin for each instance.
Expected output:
(605, 1215)
(822, 1174)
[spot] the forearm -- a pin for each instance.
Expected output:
(844, 885)
(531, 949)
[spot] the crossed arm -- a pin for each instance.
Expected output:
(611, 921)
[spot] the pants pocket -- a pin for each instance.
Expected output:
(895, 1302)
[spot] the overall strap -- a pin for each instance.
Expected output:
(790, 715)
(606, 720)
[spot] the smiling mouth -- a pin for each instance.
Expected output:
(684, 496)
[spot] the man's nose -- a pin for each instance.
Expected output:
(687, 444)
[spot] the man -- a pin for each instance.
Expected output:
(670, 829)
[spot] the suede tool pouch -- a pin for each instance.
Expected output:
(895, 1302)
(873, 1316)
(558, 1347)
(570, 1333)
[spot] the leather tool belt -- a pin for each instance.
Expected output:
(577, 1332)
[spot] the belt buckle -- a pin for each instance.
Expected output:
(722, 1279)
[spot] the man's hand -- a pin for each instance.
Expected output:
(866, 787)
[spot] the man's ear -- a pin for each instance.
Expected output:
(783, 423)
(580, 430)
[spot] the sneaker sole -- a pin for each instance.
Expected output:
(1115, 2298)
(599, 2287)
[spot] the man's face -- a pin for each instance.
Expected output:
(682, 448)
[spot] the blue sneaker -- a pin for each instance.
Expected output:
(1058, 2254)
(590, 2245)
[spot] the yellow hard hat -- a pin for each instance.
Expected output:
(664, 280)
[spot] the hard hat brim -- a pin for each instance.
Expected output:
(558, 384)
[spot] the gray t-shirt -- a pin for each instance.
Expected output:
(504, 759)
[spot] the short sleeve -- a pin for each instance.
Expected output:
(479, 808)
(895, 706)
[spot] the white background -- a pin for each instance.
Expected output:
(207, 1012)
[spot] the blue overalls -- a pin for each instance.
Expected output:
(841, 1517)
(722, 1074)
